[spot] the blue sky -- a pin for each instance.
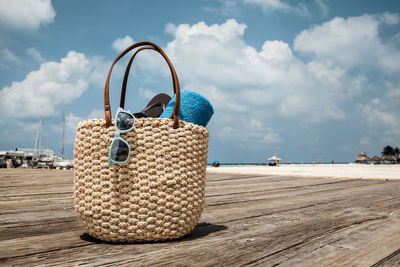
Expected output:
(309, 79)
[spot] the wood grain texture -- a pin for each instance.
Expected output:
(249, 220)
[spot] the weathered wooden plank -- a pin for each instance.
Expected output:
(242, 246)
(38, 227)
(270, 204)
(389, 261)
(248, 220)
(55, 201)
(262, 200)
(255, 223)
(185, 250)
(234, 187)
(28, 246)
(360, 245)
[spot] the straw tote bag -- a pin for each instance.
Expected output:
(159, 193)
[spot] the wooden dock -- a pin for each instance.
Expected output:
(248, 220)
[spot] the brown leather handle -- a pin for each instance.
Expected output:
(175, 81)
(126, 75)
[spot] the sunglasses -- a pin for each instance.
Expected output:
(119, 149)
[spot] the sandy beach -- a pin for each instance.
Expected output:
(363, 171)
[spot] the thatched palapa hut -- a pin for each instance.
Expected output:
(362, 157)
(390, 159)
(376, 159)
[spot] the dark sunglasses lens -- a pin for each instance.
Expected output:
(119, 151)
(124, 121)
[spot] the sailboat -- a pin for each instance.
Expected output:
(62, 163)
(46, 158)
(38, 157)
(42, 158)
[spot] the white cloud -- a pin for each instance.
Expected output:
(228, 7)
(170, 28)
(269, 4)
(7, 56)
(389, 18)
(35, 54)
(326, 72)
(322, 5)
(351, 42)
(96, 114)
(385, 124)
(121, 44)
(51, 86)
(382, 115)
(270, 137)
(216, 61)
(26, 14)
(228, 31)
(248, 85)
(277, 51)
(274, 5)
(244, 83)
(146, 93)
(257, 133)
(99, 70)
(233, 8)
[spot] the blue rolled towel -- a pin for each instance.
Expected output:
(194, 108)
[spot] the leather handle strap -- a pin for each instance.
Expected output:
(126, 75)
(175, 81)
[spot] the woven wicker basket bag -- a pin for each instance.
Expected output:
(159, 193)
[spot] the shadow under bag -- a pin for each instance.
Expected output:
(159, 193)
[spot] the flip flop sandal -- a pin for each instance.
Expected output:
(155, 107)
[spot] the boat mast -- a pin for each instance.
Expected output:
(63, 135)
(40, 134)
(38, 140)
